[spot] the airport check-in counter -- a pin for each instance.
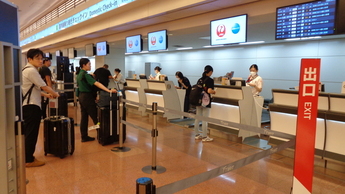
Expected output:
(149, 91)
(330, 127)
(237, 104)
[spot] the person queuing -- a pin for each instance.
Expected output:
(183, 83)
(46, 75)
(31, 88)
(118, 78)
(158, 73)
(103, 75)
(254, 80)
(87, 99)
(208, 83)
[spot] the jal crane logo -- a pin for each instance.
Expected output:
(153, 40)
(130, 44)
(221, 30)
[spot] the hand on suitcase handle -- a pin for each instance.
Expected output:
(112, 91)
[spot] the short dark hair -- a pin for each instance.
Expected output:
(45, 59)
(158, 68)
(255, 67)
(179, 74)
(118, 70)
(35, 52)
(106, 66)
(83, 61)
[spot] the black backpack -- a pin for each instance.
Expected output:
(197, 92)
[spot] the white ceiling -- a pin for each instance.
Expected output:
(31, 10)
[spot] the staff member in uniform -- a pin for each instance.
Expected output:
(158, 73)
(208, 84)
(254, 80)
(87, 99)
(31, 88)
(183, 83)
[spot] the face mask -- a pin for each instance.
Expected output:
(252, 73)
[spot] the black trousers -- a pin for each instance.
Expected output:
(44, 103)
(32, 120)
(88, 108)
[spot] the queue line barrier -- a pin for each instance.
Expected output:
(144, 185)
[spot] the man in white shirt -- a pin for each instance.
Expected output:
(31, 88)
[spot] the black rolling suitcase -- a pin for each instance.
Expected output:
(58, 136)
(108, 132)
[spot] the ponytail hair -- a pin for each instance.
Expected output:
(207, 69)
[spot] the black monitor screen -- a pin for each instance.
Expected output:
(315, 18)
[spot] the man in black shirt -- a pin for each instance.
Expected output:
(103, 75)
(46, 75)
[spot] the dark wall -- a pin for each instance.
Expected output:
(9, 24)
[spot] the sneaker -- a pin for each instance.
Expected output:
(35, 163)
(94, 127)
(207, 138)
(88, 138)
(198, 136)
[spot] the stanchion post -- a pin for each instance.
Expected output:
(20, 141)
(154, 135)
(119, 116)
(145, 186)
(75, 107)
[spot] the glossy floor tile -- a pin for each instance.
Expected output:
(95, 169)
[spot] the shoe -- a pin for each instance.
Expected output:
(198, 136)
(35, 163)
(94, 127)
(88, 138)
(207, 139)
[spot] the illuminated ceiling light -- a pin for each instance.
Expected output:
(292, 39)
(184, 48)
(211, 46)
(254, 42)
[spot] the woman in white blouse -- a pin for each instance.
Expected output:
(254, 80)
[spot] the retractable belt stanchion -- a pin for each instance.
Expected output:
(75, 107)
(145, 186)
(154, 134)
(120, 148)
(20, 146)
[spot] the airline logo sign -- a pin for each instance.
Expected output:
(221, 30)
(153, 40)
(306, 126)
(130, 44)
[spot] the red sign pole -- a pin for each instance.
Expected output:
(306, 126)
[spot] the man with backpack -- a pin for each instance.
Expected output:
(31, 88)
(203, 102)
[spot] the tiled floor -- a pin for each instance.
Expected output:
(94, 169)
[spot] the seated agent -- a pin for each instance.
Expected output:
(31, 88)
(103, 75)
(87, 99)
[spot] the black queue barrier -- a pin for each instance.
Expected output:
(145, 186)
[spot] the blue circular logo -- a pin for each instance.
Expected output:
(160, 40)
(136, 43)
(236, 28)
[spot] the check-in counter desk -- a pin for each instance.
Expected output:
(149, 91)
(131, 91)
(237, 104)
(330, 128)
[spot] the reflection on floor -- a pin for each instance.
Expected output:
(94, 169)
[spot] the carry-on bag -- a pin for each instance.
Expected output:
(58, 136)
(108, 132)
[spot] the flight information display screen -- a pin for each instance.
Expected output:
(315, 18)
